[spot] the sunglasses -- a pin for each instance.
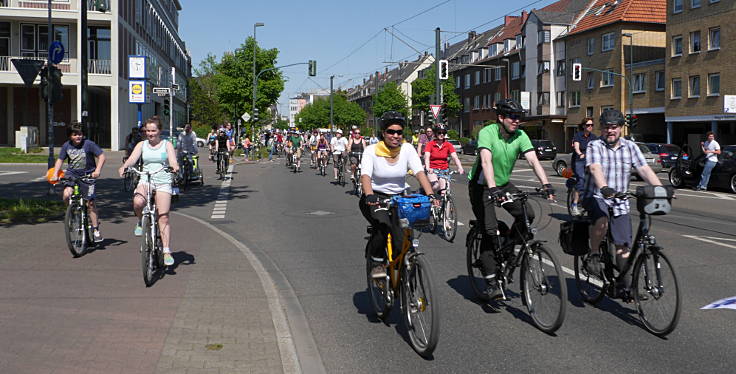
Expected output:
(394, 132)
(514, 117)
(441, 132)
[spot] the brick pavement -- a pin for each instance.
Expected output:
(94, 314)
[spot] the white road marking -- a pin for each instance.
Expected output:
(220, 206)
(709, 239)
(460, 223)
(39, 179)
(7, 173)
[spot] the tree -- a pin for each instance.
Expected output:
(206, 108)
(423, 90)
(235, 79)
(390, 97)
(317, 115)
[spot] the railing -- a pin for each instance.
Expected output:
(6, 65)
(39, 4)
(103, 67)
(98, 5)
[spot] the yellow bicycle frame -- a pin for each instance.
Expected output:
(394, 264)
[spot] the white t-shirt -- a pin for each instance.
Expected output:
(390, 178)
(712, 146)
(339, 145)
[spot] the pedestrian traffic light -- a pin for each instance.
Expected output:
(577, 71)
(430, 117)
(312, 68)
(54, 82)
(444, 69)
(255, 115)
(167, 108)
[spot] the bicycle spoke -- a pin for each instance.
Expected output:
(544, 289)
(656, 293)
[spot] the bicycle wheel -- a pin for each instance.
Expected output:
(543, 285)
(570, 196)
(420, 309)
(148, 260)
(449, 219)
(656, 293)
(76, 235)
(185, 178)
(475, 276)
(378, 290)
(591, 287)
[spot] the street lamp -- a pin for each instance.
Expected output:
(508, 77)
(255, 53)
(631, 73)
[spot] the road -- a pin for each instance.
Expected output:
(309, 236)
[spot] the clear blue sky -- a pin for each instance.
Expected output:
(328, 30)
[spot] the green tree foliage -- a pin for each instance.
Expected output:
(317, 115)
(390, 97)
(423, 90)
(206, 108)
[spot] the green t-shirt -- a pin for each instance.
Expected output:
(505, 153)
(296, 141)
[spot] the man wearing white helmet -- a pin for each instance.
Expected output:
(338, 146)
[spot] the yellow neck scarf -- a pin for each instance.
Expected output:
(383, 151)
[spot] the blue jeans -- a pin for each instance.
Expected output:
(579, 168)
(705, 177)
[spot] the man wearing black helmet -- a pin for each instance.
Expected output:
(499, 146)
(609, 160)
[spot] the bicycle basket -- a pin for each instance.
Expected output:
(413, 210)
(574, 237)
(654, 200)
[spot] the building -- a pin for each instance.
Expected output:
(606, 40)
(296, 104)
(115, 30)
(700, 73)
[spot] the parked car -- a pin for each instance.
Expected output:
(667, 153)
(201, 142)
(470, 148)
(455, 144)
(562, 161)
(545, 149)
(687, 171)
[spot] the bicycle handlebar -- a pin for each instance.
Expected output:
(70, 178)
(167, 169)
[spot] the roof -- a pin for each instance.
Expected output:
(606, 12)
(561, 12)
(511, 28)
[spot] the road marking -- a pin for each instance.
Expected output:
(709, 239)
(220, 206)
(38, 179)
(7, 173)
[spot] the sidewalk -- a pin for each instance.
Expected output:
(209, 314)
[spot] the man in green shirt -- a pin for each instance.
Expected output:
(499, 146)
(296, 148)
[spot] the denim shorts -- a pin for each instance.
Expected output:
(620, 226)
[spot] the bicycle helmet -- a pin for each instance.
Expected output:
(438, 129)
(392, 117)
(612, 117)
(509, 106)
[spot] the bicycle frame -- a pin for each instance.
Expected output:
(395, 264)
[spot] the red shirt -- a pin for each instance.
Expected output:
(438, 155)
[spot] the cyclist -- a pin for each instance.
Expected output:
(500, 145)
(424, 138)
(383, 175)
(313, 140)
(221, 145)
(132, 139)
(609, 160)
(211, 137)
(84, 157)
(580, 144)
(322, 148)
(188, 143)
(156, 153)
(296, 148)
(230, 132)
(357, 144)
(436, 153)
(338, 146)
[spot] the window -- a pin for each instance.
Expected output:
(498, 74)
(477, 77)
(694, 86)
(639, 83)
(695, 42)
(677, 6)
(659, 78)
(493, 50)
(516, 95)
(496, 97)
(560, 68)
(543, 67)
(543, 98)
(544, 36)
(714, 38)
(591, 46)
(605, 108)
(676, 88)
(560, 99)
(694, 4)
(589, 112)
(466, 107)
(574, 99)
(519, 42)
(507, 45)
(522, 69)
(467, 80)
(34, 39)
(457, 82)
(714, 84)
(28, 40)
(591, 80)
(476, 102)
(608, 41)
(4, 41)
(677, 45)
(713, 1)
(607, 78)
(515, 70)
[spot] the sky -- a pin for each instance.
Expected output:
(345, 37)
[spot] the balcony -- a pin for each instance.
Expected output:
(95, 67)
(99, 67)
(39, 4)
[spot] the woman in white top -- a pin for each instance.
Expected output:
(156, 153)
(383, 174)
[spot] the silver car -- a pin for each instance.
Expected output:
(562, 161)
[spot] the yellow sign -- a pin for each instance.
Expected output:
(137, 92)
(137, 89)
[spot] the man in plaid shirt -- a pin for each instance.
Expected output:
(609, 161)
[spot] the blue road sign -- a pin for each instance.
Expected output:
(56, 52)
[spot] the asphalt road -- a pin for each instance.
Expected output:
(313, 233)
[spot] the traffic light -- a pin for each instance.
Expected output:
(312, 68)
(430, 117)
(632, 120)
(444, 69)
(443, 116)
(167, 108)
(577, 72)
(55, 82)
(255, 115)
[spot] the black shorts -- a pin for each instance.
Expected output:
(620, 226)
(87, 190)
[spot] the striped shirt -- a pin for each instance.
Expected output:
(616, 164)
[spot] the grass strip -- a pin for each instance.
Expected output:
(15, 155)
(29, 210)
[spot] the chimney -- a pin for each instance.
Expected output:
(471, 35)
(507, 20)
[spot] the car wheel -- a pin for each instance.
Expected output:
(200, 144)
(733, 183)
(676, 178)
(559, 167)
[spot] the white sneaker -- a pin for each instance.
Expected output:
(97, 236)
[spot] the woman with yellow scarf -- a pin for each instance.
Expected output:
(383, 174)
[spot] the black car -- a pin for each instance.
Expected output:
(667, 153)
(545, 149)
(470, 148)
(687, 171)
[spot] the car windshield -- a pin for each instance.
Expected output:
(729, 151)
(644, 149)
(544, 143)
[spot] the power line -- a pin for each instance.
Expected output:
(401, 40)
(420, 13)
(412, 39)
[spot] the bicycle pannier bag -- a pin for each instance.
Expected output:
(574, 237)
(413, 209)
(654, 200)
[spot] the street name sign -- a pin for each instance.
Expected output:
(161, 91)
(435, 110)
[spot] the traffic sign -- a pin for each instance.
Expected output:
(137, 67)
(28, 69)
(245, 117)
(137, 92)
(56, 52)
(435, 110)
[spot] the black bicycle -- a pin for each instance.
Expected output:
(654, 287)
(340, 166)
(77, 224)
(357, 187)
(444, 216)
(223, 160)
(542, 283)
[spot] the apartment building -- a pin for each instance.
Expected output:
(612, 40)
(297, 103)
(115, 30)
(700, 73)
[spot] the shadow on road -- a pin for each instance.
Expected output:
(180, 258)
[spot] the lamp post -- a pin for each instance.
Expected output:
(631, 73)
(508, 77)
(255, 82)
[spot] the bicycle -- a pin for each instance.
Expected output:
(77, 225)
(340, 166)
(294, 163)
(152, 255)
(653, 274)
(570, 183)
(357, 187)
(445, 214)
(322, 163)
(409, 275)
(542, 283)
(223, 160)
(130, 179)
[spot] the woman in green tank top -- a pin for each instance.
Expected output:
(155, 153)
